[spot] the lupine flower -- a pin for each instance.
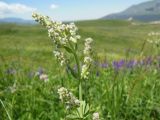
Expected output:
(141, 62)
(87, 59)
(104, 65)
(68, 98)
(148, 61)
(96, 116)
(131, 63)
(39, 71)
(118, 64)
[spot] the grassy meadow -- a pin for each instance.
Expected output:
(124, 83)
(30, 44)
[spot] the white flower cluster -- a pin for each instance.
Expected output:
(63, 35)
(87, 50)
(68, 98)
(60, 33)
(95, 116)
(60, 57)
(154, 38)
(44, 77)
(87, 59)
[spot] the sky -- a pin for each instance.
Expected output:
(64, 10)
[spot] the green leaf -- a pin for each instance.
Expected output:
(68, 49)
(83, 110)
(76, 47)
(86, 109)
(74, 74)
(72, 116)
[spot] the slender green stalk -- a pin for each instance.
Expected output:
(142, 48)
(9, 117)
(79, 76)
(80, 91)
(80, 82)
(78, 65)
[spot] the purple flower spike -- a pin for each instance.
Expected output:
(131, 63)
(104, 65)
(118, 64)
(40, 71)
(148, 61)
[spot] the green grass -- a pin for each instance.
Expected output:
(111, 38)
(131, 94)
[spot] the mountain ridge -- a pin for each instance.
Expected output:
(146, 11)
(16, 20)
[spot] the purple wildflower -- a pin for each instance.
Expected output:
(148, 61)
(131, 64)
(40, 71)
(118, 64)
(104, 65)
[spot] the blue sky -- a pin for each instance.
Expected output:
(64, 9)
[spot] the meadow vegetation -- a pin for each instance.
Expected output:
(124, 79)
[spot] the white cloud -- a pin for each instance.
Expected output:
(54, 6)
(6, 8)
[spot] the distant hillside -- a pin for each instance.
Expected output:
(16, 20)
(147, 11)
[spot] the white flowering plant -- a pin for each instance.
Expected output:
(65, 39)
(154, 40)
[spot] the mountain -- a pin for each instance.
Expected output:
(147, 11)
(16, 20)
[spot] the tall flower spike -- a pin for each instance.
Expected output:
(88, 49)
(68, 98)
(60, 57)
(87, 59)
(63, 35)
(60, 33)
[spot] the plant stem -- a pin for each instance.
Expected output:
(79, 76)
(80, 82)
(78, 65)
(80, 91)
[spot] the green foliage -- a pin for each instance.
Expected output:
(130, 94)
